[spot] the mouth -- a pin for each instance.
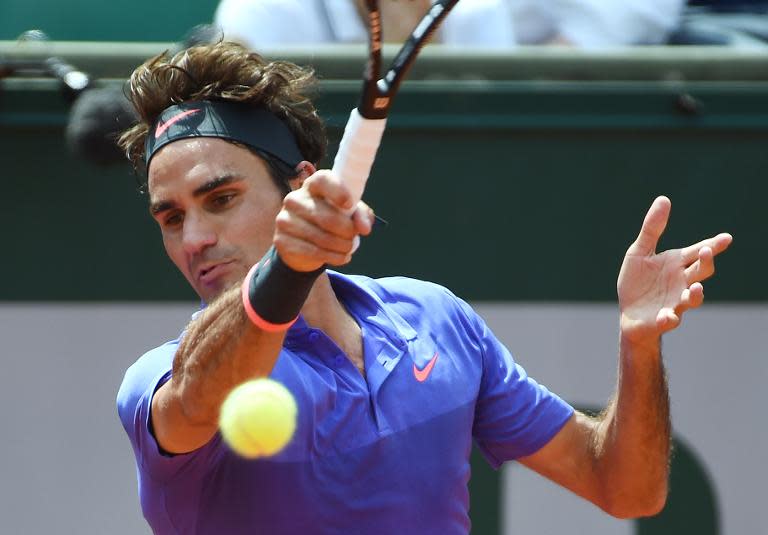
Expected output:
(209, 274)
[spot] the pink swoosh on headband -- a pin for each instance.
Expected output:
(163, 127)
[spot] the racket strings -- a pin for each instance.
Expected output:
(421, 35)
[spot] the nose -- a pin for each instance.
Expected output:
(198, 234)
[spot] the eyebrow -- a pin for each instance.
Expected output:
(159, 207)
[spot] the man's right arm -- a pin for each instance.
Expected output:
(222, 347)
(220, 350)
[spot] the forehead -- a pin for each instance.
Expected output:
(185, 164)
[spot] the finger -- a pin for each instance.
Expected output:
(302, 229)
(703, 268)
(318, 212)
(327, 186)
(695, 295)
(666, 319)
(653, 226)
(718, 244)
(690, 298)
(295, 251)
(363, 218)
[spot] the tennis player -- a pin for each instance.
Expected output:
(395, 378)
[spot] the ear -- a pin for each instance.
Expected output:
(304, 170)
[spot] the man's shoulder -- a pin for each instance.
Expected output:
(161, 357)
(145, 372)
(413, 297)
(399, 288)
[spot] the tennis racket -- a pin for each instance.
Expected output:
(363, 132)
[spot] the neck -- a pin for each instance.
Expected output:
(322, 309)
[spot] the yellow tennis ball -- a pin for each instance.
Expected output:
(258, 418)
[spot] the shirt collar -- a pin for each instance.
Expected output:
(366, 306)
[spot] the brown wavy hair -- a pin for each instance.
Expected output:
(224, 71)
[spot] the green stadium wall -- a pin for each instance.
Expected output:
(91, 20)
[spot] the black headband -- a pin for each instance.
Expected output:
(256, 127)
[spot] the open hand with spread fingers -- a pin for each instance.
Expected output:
(655, 289)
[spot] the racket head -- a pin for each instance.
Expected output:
(373, 65)
(378, 91)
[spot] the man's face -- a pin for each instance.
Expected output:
(216, 205)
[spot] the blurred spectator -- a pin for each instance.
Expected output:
(735, 23)
(473, 23)
(757, 6)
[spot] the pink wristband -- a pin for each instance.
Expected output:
(257, 320)
(273, 293)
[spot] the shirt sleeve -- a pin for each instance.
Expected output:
(134, 402)
(514, 415)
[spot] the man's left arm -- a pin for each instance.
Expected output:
(620, 459)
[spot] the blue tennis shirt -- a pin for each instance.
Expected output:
(381, 454)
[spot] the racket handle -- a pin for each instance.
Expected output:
(357, 151)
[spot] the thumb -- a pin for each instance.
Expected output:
(666, 319)
(653, 226)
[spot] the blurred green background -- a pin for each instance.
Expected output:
(90, 20)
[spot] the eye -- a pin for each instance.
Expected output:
(173, 220)
(222, 200)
